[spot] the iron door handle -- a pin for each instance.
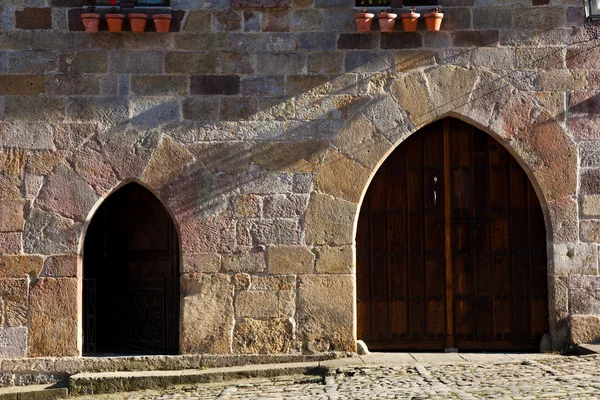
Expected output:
(434, 192)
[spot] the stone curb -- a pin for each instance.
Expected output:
(34, 392)
(112, 382)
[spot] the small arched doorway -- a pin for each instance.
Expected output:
(131, 276)
(451, 247)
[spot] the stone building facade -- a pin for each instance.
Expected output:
(259, 125)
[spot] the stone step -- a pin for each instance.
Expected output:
(113, 382)
(33, 392)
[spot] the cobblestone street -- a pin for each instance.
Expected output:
(535, 378)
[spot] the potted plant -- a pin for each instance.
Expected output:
(90, 18)
(138, 22)
(114, 19)
(410, 20)
(387, 21)
(433, 19)
(364, 21)
(162, 22)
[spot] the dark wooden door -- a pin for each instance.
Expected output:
(131, 284)
(451, 247)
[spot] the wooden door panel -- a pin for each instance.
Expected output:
(496, 264)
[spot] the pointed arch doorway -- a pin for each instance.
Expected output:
(131, 276)
(451, 247)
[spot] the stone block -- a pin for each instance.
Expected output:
(214, 84)
(190, 63)
(201, 263)
(245, 206)
(325, 62)
(29, 109)
(241, 282)
(33, 18)
(166, 164)
(329, 220)
(19, 266)
(540, 18)
(589, 231)
(261, 3)
(226, 21)
(303, 183)
(562, 79)
(67, 194)
(475, 38)
(238, 109)
(307, 20)
(12, 211)
(335, 260)
(136, 62)
(273, 283)
(325, 325)
(360, 140)
(150, 112)
(358, 41)
(408, 60)
(197, 21)
(401, 40)
(245, 262)
(492, 18)
(17, 310)
(47, 233)
(314, 41)
(584, 328)
(256, 304)
(13, 342)
(330, 178)
(584, 294)
(70, 84)
(285, 206)
(22, 85)
(10, 242)
(575, 259)
(27, 135)
(106, 111)
(590, 206)
(368, 62)
(252, 336)
(237, 63)
(61, 266)
(33, 61)
(540, 57)
(282, 63)
(207, 303)
(53, 319)
(290, 260)
(275, 231)
(85, 61)
(200, 109)
(287, 303)
(263, 86)
(564, 215)
(159, 85)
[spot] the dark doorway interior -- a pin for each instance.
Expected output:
(451, 247)
(131, 277)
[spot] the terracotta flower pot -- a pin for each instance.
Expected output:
(90, 22)
(162, 22)
(433, 21)
(115, 22)
(364, 21)
(387, 21)
(410, 21)
(138, 22)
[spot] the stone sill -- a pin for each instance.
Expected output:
(76, 25)
(377, 9)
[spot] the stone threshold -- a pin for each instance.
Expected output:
(46, 392)
(72, 365)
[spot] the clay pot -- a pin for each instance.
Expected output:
(410, 21)
(387, 21)
(364, 21)
(433, 21)
(162, 22)
(115, 22)
(138, 22)
(90, 22)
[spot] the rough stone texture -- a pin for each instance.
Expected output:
(590, 206)
(581, 258)
(253, 336)
(329, 220)
(10, 243)
(53, 326)
(256, 304)
(585, 328)
(47, 233)
(201, 263)
(20, 266)
(585, 294)
(167, 162)
(290, 260)
(60, 266)
(323, 324)
(13, 341)
(250, 262)
(207, 309)
(335, 260)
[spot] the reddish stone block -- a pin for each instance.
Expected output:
(276, 21)
(60, 266)
(10, 242)
(34, 18)
(22, 85)
(475, 38)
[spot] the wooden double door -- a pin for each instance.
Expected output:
(451, 247)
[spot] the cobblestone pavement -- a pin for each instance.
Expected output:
(553, 378)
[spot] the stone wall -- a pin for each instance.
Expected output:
(259, 125)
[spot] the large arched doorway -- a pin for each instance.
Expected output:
(131, 276)
(451, 247)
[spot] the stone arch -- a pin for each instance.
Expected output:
(523, 124)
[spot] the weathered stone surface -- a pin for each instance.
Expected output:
(290, 260)
(12, 215)
(325, 325)
(13, 342)
(329, 220)
(575, 259)
(67, 194)
(20, 266)
(17, 308)
(589, 231)
(584, 294)
(207, 315)
(10, 243)
(585, 328)
(290, 157)
(256, 304)
(47, 233)
(590, 206)
(335, 260)
(61, 266)
(201, 263)
(53, 320)
(563, 216)
(273, 282)
(342, 177)
(360, 141)
(285, 206)
(206, 236)
(26, 135)
(167, 162)
(274, 231)
(246, 262)
(241, 282)
(258, 336)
